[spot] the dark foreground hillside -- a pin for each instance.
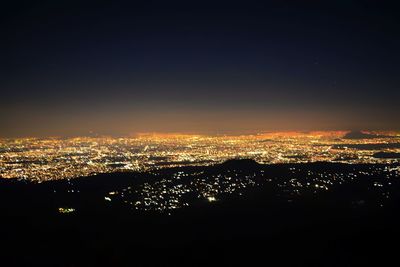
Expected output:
(281, 215)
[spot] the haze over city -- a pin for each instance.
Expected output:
(122, 68)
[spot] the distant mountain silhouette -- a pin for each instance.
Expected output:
(387, 155)
(362, 135)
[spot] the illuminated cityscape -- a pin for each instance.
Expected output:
(40, 159)
(169, 162)
(199, 133)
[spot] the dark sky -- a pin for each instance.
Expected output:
(72, 67)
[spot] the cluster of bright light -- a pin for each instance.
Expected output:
(66, 210)
(182, 189)
(57, 158)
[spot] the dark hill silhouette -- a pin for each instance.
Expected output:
(387, 155)
(335, 227)
(362, 135)
(239, 164)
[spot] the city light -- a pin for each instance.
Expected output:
(66, 158)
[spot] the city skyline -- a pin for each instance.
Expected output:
(44, 159)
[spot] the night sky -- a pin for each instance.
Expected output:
(75, 67)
